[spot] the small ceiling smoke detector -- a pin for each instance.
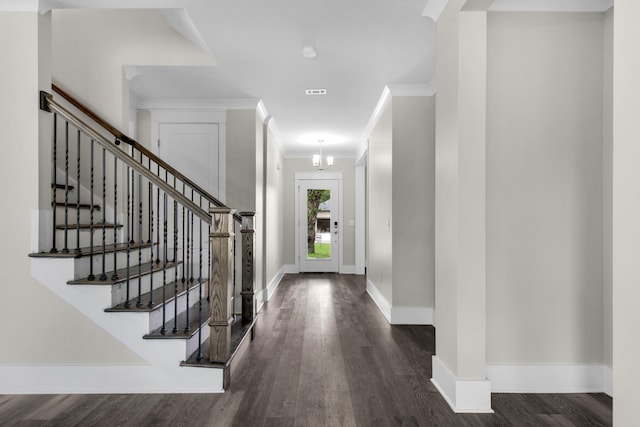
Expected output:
(309, 52)
(316, 91)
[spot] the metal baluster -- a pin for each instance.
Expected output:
(233, 257)
(183, 239)
(158, 210)
(164, 265)
(127, 304)
(151, 236)
(199, 357)
(65, 249)
(114, 276)
(209, 261)
(77, 250)
(150, 225)
(54, 181)
(193, 243)
(103, 276)
(91, 208)
(133, 201)
(139, 302)
(188, 268)
(175, 262)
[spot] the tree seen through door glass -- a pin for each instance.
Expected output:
(318, 223)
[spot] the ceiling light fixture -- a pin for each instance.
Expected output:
(317, 159)
(309, 52)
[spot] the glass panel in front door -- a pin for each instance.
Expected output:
(318, 223)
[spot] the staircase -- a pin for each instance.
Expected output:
(147, 255)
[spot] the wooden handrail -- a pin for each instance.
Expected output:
(129, 161)
(135, 144)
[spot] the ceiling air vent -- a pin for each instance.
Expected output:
(316, 91)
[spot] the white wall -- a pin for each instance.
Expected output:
(347, 167)
(90, 46)
(380, 205)
(401, 211)
(413, 202)
(544, 188)
(241, 152)
(49, 331)
(275, 209)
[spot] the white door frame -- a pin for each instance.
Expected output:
(318, 176)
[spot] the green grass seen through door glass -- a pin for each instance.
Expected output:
(322, 250)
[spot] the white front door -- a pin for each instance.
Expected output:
(193, 149)
(319, 227)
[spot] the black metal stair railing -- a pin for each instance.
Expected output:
(155, 270)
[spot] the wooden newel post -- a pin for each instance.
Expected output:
(248, 262)
(221, 284)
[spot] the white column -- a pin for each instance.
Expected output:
(459, 365)
(626, 212)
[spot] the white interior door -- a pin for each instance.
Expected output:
(193, 149)
(319, 227)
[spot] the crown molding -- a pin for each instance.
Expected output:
(220, 104)
(388, 93)
(433, 9)
(551, 6)
(179, 20)
(40, 6)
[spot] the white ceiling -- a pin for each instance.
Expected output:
(362, 45)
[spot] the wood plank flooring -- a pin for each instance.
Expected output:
(323, 356)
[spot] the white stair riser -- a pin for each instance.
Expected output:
(192, 343)
(119, 290)
(85, 237)
(155, 317)
(82, 265)
(85, 215)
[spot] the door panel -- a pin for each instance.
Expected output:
(192, 148)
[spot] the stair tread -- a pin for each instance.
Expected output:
(170, 293)
(86, 251)
(96, 225)
(239, 330)
(134, 271)
(61, 186)
(72, 205)
(194, 324)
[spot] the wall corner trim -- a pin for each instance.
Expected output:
(463, 396)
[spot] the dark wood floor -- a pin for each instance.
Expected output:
(323, 356)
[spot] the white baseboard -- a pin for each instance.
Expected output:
(462, 396)
(290, 269)
(379, 299)
(347, 269)
(411, 315)
(89, 379)
(548, 378)
(274, 283)
(400, 315)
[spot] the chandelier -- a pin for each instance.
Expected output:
(318, 159)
